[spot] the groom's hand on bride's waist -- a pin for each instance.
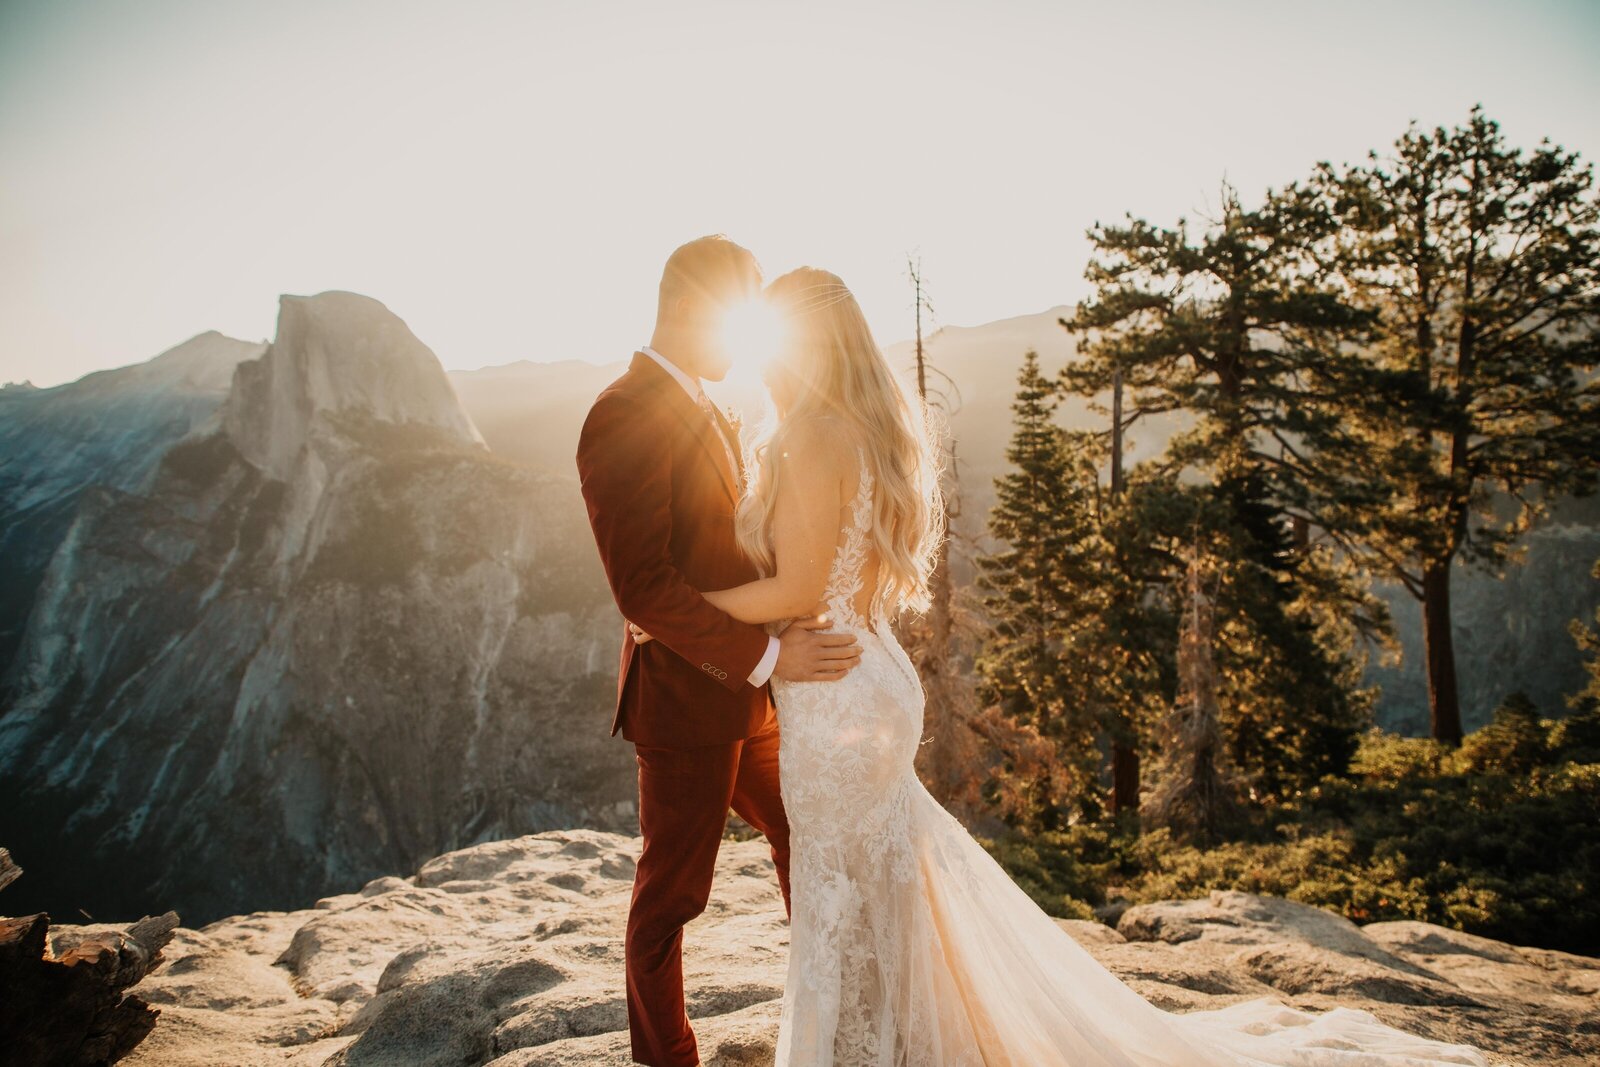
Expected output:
(807, 654)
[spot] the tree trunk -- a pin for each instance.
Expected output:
(1124, 755)
(1191, 793)
(1124, 777)
(1444, 702)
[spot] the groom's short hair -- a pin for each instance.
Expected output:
(708, 269)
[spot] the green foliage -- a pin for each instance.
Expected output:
(1576, 738)
(1481, 266)
(1588, 638)
(1385, 369)
(1038, 515)
(1237, 323)
(1081, 636)
(1417, 833)
(1049, 873)
(1036, 588)
(1386, 757)
(1515, 741)
(1067, 871)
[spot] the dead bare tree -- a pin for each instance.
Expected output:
(1192, 796)
(949, 761)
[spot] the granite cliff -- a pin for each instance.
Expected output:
(326, 634)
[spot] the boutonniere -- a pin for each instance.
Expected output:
(735, 420)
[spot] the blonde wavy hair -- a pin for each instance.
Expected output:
(836, 370)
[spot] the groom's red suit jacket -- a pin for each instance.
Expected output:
(661, 500)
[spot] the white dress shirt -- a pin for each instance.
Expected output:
(691, 385)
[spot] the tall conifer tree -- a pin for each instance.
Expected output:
(1242, 327)
(1030, 585)
(1481, 265)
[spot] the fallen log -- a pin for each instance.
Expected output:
(69, 1007)
(9, 871)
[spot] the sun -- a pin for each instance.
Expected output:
(751, 333)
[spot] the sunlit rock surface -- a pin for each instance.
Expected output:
(510, 953)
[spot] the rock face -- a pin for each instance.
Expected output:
(107, 428)
(510, 954)
(336, 352)
(1511, 629)
(328, 635)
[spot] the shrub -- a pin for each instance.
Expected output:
(1514, 743)
(1497, 840)
(1386, 757)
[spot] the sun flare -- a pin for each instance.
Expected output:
(751, 333)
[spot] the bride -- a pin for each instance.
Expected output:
(910, 946)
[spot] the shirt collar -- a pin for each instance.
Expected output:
(690, 383)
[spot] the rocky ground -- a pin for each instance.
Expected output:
(510, 954)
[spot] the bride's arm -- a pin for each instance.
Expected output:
(805, 528)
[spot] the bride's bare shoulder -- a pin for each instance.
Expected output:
(821, 442)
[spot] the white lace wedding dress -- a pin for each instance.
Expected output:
(911, 947)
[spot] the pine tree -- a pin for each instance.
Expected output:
(1240, 326)
(1481, 267)
(1041, 516)
(1021, 581)
(1122, 628)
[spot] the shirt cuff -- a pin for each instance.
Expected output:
(769, 660)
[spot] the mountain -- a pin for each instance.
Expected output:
(106, 428)
(976, 373)
(509, 954)
(532, 412)
(327, 634)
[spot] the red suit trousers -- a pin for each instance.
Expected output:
(684, 797)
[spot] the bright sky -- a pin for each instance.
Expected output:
(508, 176)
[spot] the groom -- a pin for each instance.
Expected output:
(661, 476)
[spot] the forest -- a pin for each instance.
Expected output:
(1385, 373)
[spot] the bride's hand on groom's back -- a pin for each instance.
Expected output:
(807, 654)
